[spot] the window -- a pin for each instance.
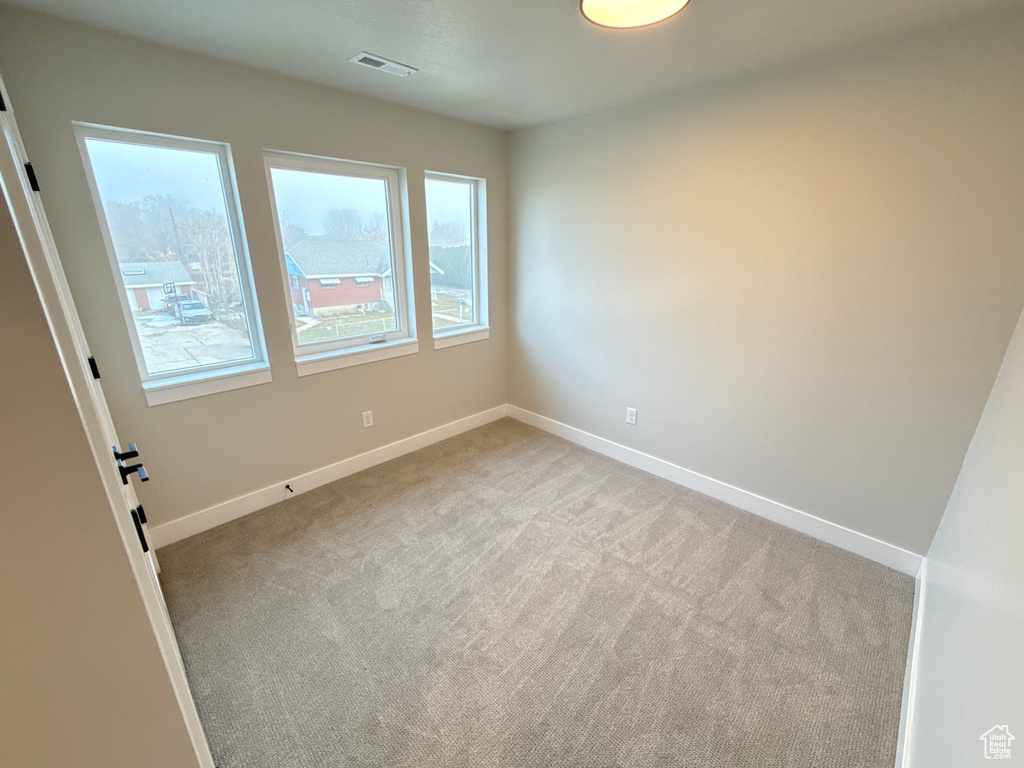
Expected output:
(174, 237)
(458, 275)
(340, 234)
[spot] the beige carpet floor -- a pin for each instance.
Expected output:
(506, 598)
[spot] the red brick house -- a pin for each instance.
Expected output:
(330, 275)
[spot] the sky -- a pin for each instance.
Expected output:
(129, 172)
(449, 201)
(307, 197)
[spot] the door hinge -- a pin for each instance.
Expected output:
(32, 180)
(138, 530)
(93, 367)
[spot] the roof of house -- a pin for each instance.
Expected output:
(139, 274)
(322, 256)
(433, 268)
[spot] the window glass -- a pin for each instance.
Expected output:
(171, 223)
(342, 250)
(454, 257)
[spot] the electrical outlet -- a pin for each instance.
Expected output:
(367, 419)
(631, 416)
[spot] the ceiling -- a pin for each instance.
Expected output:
(507, 64)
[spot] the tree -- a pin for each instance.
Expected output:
(376, 229)
(448, 233)
(343, 222)
(163, 228)
(291, 232)
(209, 239)
(457, 264)
(147, 229)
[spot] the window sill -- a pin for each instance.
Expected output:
(191, 385)
(461, 336)
(319, 362)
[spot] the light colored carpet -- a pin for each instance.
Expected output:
(506, 598)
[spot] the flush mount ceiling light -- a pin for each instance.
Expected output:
(623, 14)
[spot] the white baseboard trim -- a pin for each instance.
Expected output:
(904, 741)
(861, 544)
(832, 533)
(211, 517)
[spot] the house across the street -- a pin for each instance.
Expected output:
(329, 275)
(144, 282)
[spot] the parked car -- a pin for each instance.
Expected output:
(171, 303)
(193, 313)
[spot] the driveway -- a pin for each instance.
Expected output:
(169, 346)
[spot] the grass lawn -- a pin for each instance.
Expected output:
(348, 325)
(446, 310)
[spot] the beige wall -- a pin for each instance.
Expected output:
(203, 451)
(970, 675)
(804, 279)
(82, 683)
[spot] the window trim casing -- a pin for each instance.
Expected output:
(324, 356)
(479, 328)
(183, 384)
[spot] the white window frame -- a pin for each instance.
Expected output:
(353, 350)
(171, 386)
(478, 328)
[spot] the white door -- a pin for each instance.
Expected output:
(48, 274)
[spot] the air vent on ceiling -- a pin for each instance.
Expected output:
(381, 64)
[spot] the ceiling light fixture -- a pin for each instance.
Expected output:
(624, 14)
